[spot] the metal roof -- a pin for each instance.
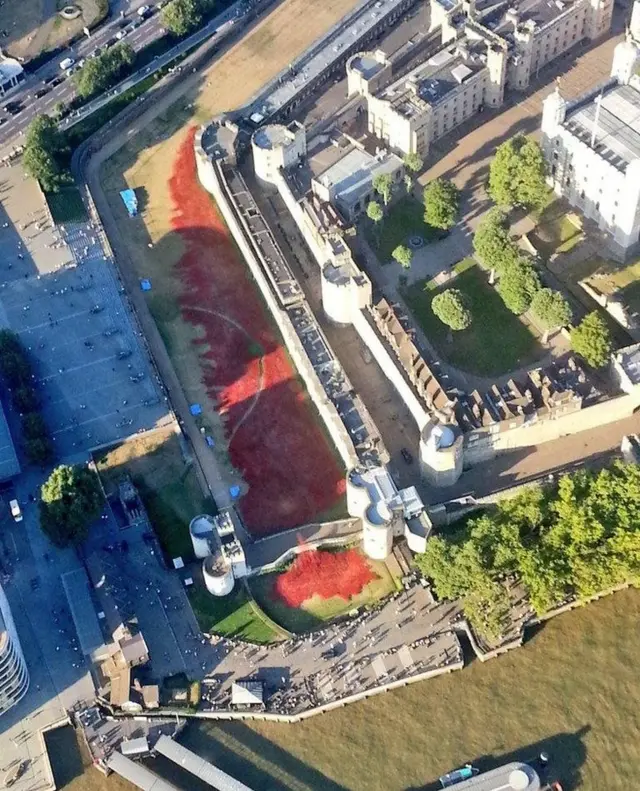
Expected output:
(510, 777)
(9, 466)
(198, 766)
(138, 774)
(618, 124)
(78, 589)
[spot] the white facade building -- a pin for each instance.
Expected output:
(11, 74)
(14, 676)
(592, 149)
(487, 48)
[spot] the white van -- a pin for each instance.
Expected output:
(16, 513)
(66, 64)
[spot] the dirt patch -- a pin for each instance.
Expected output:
(271, 46)
(274, 438)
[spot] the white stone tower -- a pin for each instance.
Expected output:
(441, 453)
(497, 64)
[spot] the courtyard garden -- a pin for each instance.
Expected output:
(497, 341)
(558, 229)
(402, 221)
(320, 586)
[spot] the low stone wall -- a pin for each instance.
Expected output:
(212, 179)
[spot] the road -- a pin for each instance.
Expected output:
(12, 128)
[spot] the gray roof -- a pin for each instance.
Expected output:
(78, 590)
(198, 766)
(351, 177)
(9, 465)
(138, 774)
(618, 123)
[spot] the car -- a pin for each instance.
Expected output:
(110, 42)
(3, 121)
(121, 34)
(406, 455)
(80, 64)
(96, 53)
(57, 81)
(14, 108)
(66, 64)
(42, 92)
(49, 79)
(16, 513)
(144, 11)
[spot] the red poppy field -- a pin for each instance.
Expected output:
(324, 574)
(274, 437)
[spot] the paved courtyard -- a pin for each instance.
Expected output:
(63, 299)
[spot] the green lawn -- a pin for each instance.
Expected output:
(171, 507)
(234, 615)
(495, 343)
(316, 611)
(66, 205)
(571, 690)
(402, 220)
(555, 232)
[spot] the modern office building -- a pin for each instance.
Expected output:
(488, 47)
(592, 149)
(14, 676)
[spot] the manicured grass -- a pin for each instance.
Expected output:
(67, 205)
(495, 343)
(234, 615)
(402, 220)
(317, 611)
(571, 690)
(555, 232)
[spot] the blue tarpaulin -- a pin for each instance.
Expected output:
(234, 491)
(145, 285)
(195, 409)
(130, 201)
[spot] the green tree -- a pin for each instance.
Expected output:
(517, 174)
(99, 74)
(374, 212)
(39, 450)
(33, 426)
(25, 399)
(181, 16)
(441, 201)
(451, 308)
(551, 309)
(492, 243)
(518, 284)
(70, 501)
(383, 185)
(43, 152)
(403, 255)
(591, 339)
(15, 369)
(413, 162)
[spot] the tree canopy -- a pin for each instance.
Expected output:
(451, 308)
(403, 255)
(569, 541)
(43, 150)
(517, 174)
(591, 339)
(99, 74)
(491, 241)
(551, 308)
(70, 500)
(441, 200)
(182, 16)
(519, 282)
(374, 211)
(383, 185)
(413, 162)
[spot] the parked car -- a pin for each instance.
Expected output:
(406, 455)
(16, 513)
(121, 34)
(66, 64)
(57, 81)
(42, 92)
(144, 11)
